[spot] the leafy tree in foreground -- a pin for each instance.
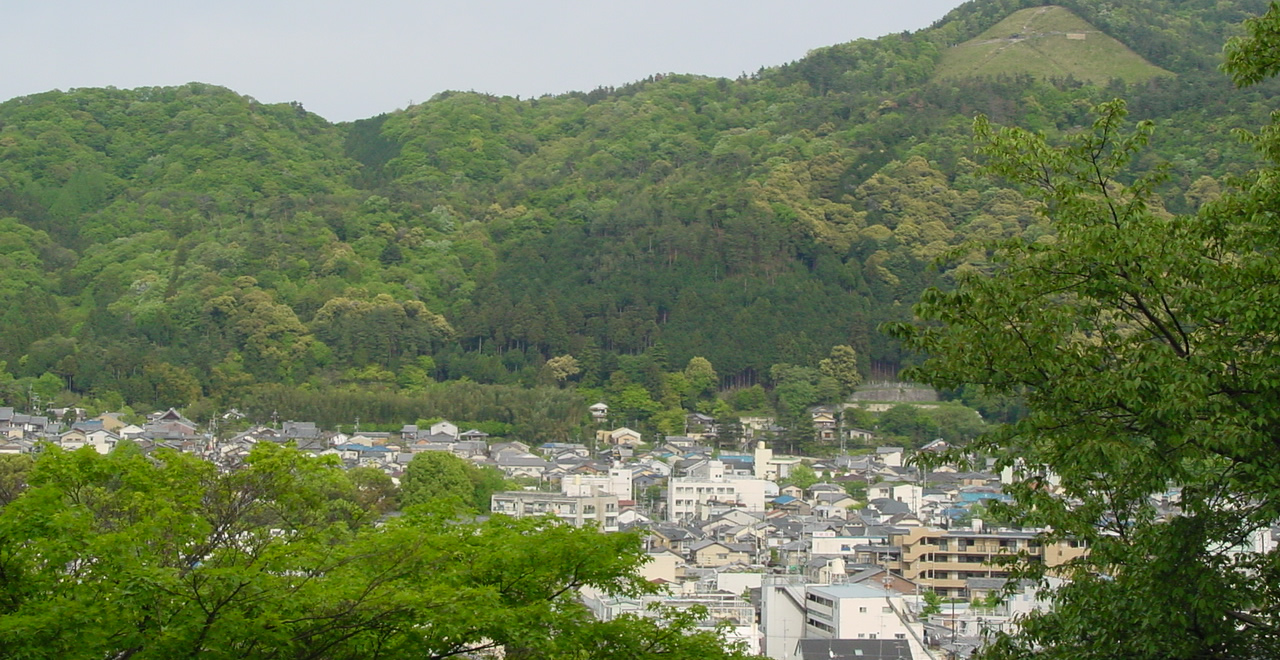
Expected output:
(163, 556)
(1145, 345)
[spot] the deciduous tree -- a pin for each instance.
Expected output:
(1145, 346)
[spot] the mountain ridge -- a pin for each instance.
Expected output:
(174, 244)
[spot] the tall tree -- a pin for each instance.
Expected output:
(1144, 345)
(436, 475)
(842, 365)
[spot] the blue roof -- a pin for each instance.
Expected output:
(784, 499)
(354, 447)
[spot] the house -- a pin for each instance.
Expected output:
(299, 431)
(558, 449)
(443, 427)
(676, 538)
(663, 564)
(825, 425)
(858, 435)
(792, 504)
(699, 425)
(599, 412)
(16, 425)
(102, 440)
(111, 421)
(470, 448)
(710, 554)
(474, 435)
(890, 456)
(853, 649)
(521, 465)
(624, 435)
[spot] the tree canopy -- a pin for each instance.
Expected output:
(1144, 344)
(164, 556)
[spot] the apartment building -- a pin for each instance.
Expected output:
(599, 509)
(943, 560)
(704, 497)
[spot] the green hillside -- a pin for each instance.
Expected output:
(1046, 42)
(163, 246)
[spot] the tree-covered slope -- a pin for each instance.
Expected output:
(167, 244)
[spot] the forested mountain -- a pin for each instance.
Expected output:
(166, 245)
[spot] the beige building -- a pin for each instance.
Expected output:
(943, 560)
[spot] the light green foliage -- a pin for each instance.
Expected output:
(436, 475)
(444, 479)
(126, 555)
(1144, 345)
(374, 489)
(562, 367)
(842, 365)
(670, 421)
(1035, 42)
(702, 378)
(933, 603)
(14, 469)
(803, 476)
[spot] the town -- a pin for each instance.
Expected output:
(864, 554)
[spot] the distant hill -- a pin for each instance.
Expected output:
(1046, 42)
(164, 245)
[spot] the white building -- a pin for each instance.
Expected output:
(700, 498)
(617, 483)
(729, 610)
(599, 510)
(772, 468)
(792, 610)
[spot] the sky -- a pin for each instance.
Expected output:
(347, 60)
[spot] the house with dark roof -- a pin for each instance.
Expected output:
(854, 649)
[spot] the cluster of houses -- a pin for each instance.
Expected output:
(839, 568)
(835, 569)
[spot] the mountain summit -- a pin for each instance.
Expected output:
(1046, 42)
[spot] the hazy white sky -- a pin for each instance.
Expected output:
(350, 60)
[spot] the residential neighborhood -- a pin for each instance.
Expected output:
(863, 554)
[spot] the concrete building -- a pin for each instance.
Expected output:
(792, 611)
(702, 498)
(599, 510)
(944, 560)
(617, 483)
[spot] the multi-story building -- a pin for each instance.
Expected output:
(599, 509)
(703, 497)
(617, 482)
(792, 611)
(943, 560)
